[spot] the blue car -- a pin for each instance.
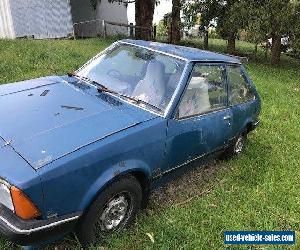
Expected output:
(81, 152)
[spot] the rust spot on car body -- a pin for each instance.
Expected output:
(117, 173)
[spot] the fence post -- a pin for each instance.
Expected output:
(154, 32)
(74, 34)
(103, 28)
(131, 30)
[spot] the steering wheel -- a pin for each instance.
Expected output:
(114, 73)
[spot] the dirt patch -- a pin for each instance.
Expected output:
(195, 183)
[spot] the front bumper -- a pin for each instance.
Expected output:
(23, 232)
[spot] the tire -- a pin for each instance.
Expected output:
(236, 148)
(114, 208)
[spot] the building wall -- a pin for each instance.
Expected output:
(6, 22)
(114, 12)
(40, 18)
(55, 18)
(82, 11)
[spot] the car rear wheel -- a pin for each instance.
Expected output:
(237, 147)
(114, 209)
(239, 144)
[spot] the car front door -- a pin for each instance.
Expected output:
(203, 120)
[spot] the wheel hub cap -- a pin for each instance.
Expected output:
(114, 213)
(239, 145)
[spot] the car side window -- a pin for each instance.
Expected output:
(238, 86)
(206, 91)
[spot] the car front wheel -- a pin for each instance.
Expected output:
(114, 209)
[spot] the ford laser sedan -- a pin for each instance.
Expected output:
(82, 152)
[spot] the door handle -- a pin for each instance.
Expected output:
(227, 117)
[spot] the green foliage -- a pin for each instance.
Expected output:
(295, 47)
(165, 24)
(295, 38)
(213, 34)
(200, 12)
(162, 29)
(190, 11)
(233, 16)
(167, 19)
(260, 18)
(25, 59)
(281, 16)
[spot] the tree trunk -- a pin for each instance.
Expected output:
(138, 18)
(231, 43)
(275, 49)
(144, 10)
(255, 50)
(267, 49)
(206, 40)
(175, 22)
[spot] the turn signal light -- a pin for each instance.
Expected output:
(24, 208)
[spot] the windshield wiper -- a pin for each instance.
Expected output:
(81, 78)
(86, 79)
(102, 88)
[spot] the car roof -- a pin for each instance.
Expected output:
(187, 53)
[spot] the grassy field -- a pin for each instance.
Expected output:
(257, 191)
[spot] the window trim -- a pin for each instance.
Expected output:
(248, 84)
(176, 114)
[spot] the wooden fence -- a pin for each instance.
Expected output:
(103, 28)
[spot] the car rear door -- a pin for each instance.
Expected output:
(203, 119)
(241, 98)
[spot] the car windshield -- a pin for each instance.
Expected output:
(136, 72)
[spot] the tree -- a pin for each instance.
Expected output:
(282, 19)
(208, 10)
(144, 11)
(191, 11)
(233, 16)
(273, 19)
(295, 38)
(175, 34)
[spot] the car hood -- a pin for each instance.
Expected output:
(47, 118)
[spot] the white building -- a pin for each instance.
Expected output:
(55, 18)
(83, 11)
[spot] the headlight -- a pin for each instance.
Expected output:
(5, 196)
(18, 202)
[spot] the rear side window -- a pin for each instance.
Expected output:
(239, 91)
(205, 92)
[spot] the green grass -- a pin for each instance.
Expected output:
(25, 59)
(257, 191)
